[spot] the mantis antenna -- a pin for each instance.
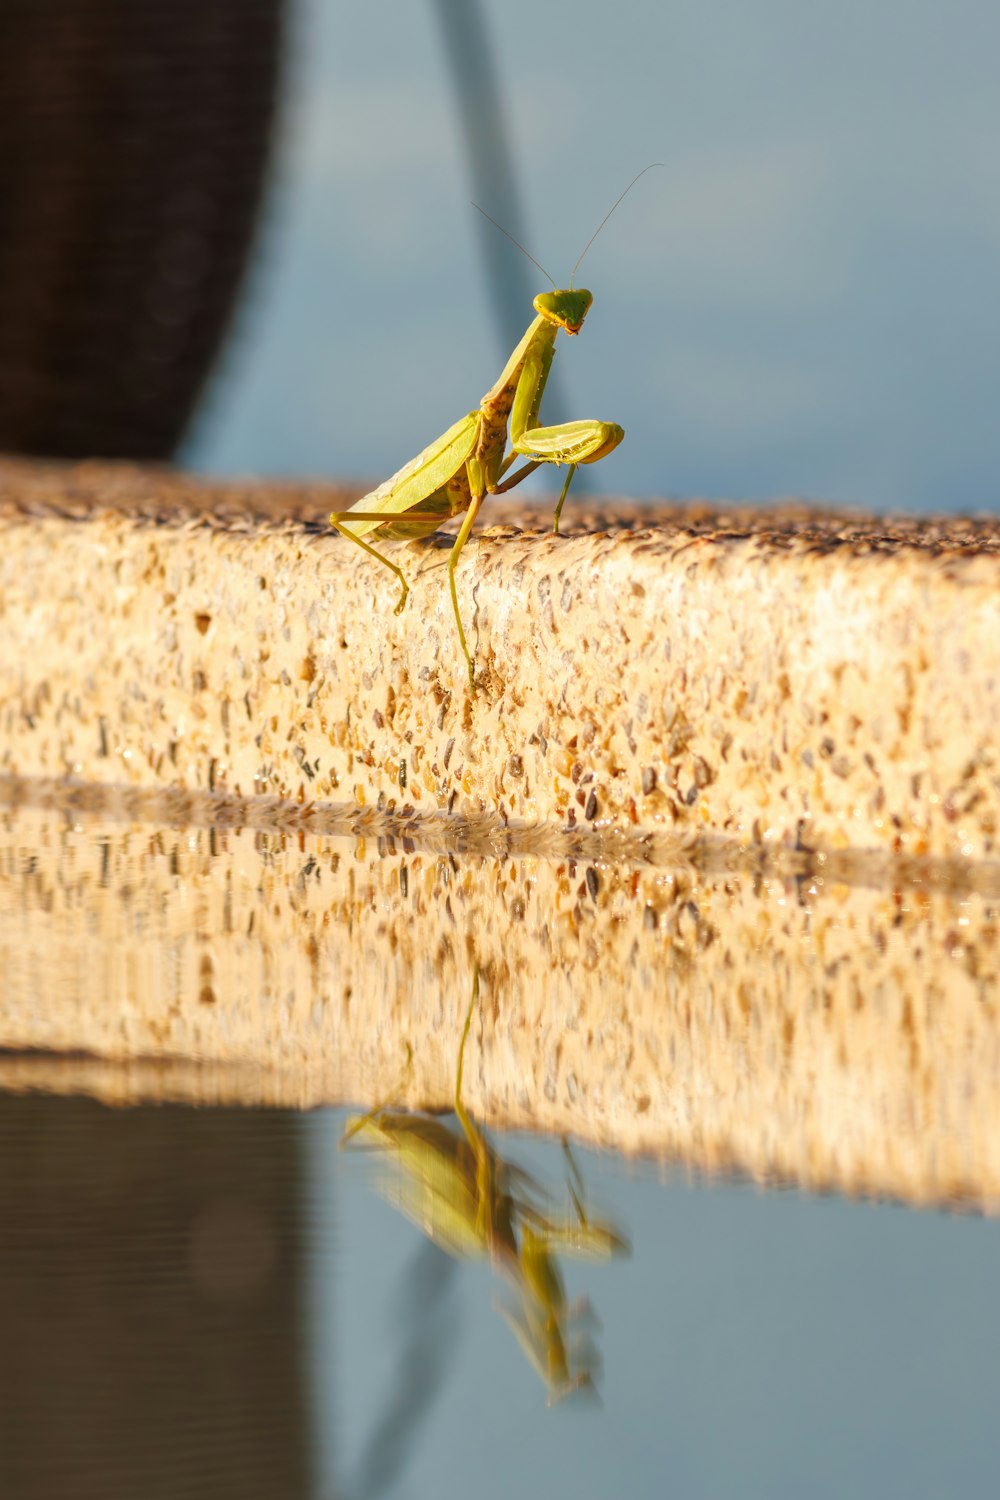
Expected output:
(513, 241)
(607, 216)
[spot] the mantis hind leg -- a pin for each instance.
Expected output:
(484, 1176)
(472, 1134)
(345, 515)
(456, 552)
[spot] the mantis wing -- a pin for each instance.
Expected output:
(428, 489)
(428, 1174)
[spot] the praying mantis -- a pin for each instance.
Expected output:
(459, 1191)
(468, 462)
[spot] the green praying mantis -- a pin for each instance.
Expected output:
(459, 1191)
(469, 461)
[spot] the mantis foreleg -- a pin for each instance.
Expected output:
(572, 443)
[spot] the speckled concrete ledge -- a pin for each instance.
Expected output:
(775, 677)
(803, 1031)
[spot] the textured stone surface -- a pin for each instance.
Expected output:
(811, 1030)
(779, 677)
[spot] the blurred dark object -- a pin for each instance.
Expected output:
(155, 1342)
(134, 137)
(481, 103)
(489, 160)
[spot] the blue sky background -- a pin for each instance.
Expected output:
(803, 302)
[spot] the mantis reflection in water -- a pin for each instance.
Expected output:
(471, 1202)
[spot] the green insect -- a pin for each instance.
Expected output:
(470, 460)
(554, 1335)
(472, 1203)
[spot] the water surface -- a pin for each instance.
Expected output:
(203, 1296)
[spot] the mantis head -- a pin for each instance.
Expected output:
(566, 310)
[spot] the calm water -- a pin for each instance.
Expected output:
(214, 1301)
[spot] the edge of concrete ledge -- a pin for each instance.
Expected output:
(782, 675)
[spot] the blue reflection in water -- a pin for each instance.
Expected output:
(758, 1343)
